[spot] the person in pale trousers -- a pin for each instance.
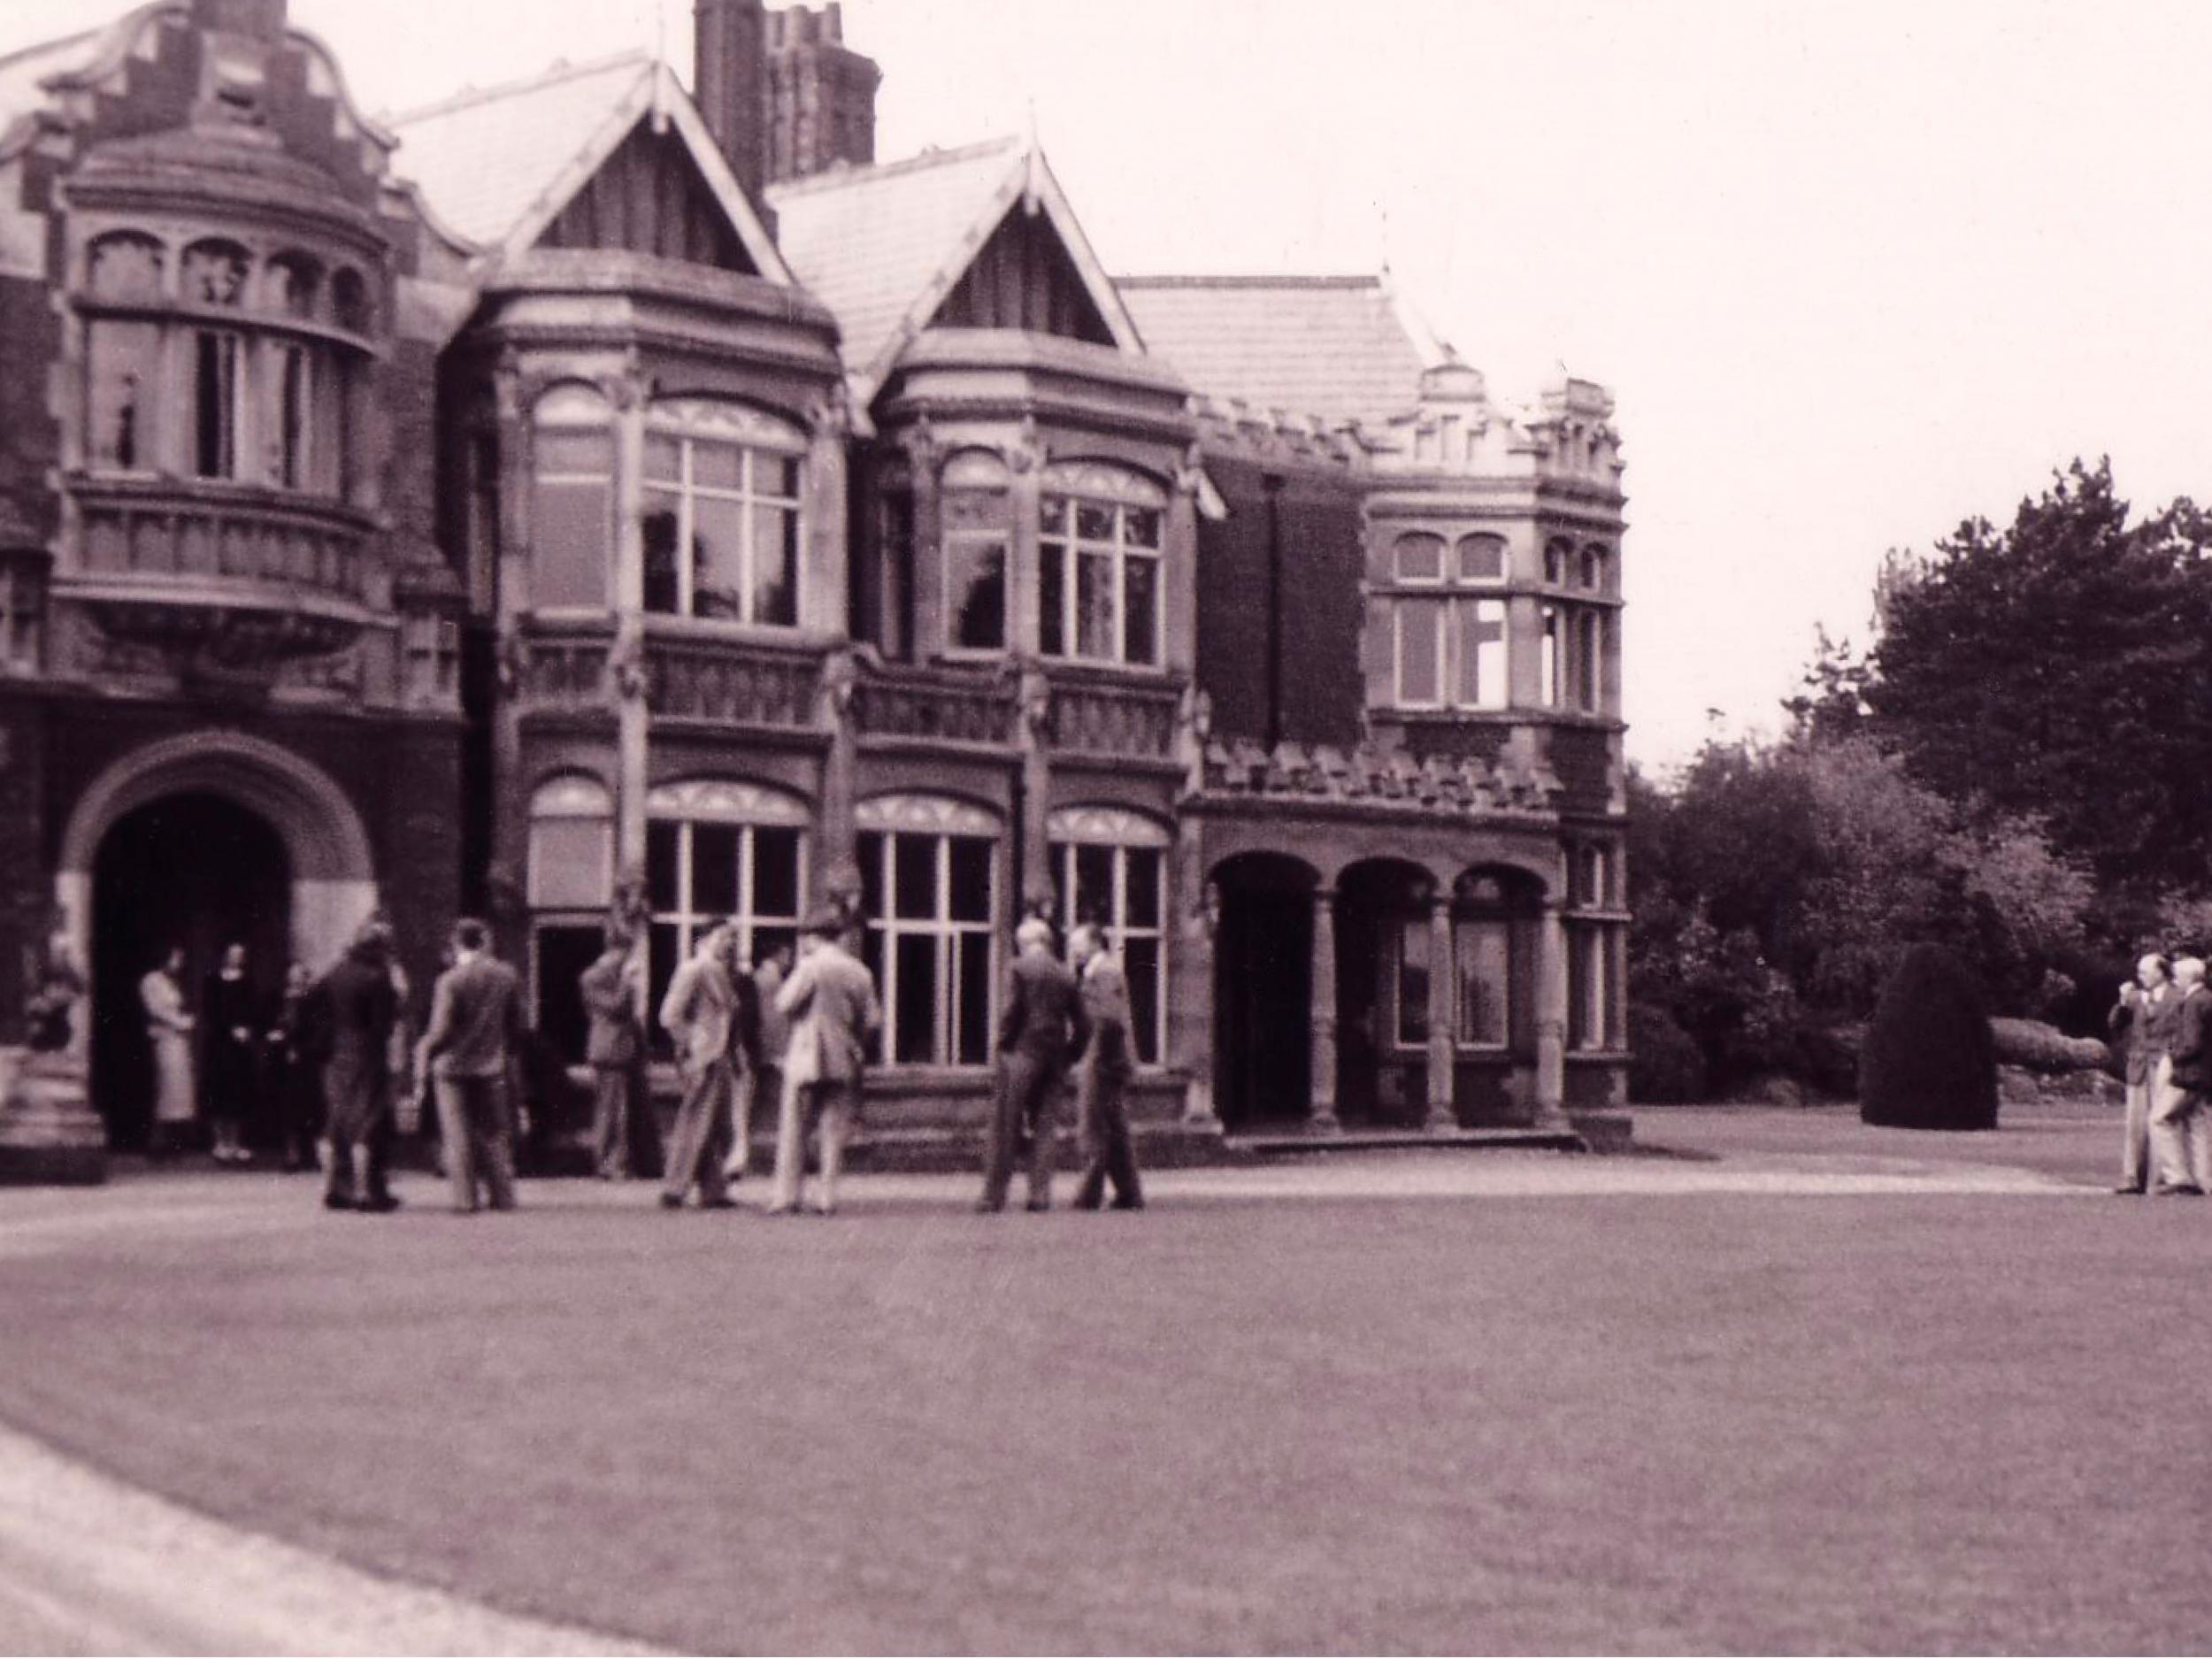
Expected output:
(475, 1033)
(698, 1012)
(2144, 1020)
(830, 1000)
(2181, 1127)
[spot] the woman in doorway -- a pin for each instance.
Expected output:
(230, 1018)
(169, 1029)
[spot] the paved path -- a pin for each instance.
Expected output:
(88, 1564)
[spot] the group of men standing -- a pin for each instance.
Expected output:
(2163, 1019)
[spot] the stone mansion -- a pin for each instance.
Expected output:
(597, 486)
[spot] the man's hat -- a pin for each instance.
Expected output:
(826, 919)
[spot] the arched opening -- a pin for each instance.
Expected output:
(1384, 950)
(195, 871)
(1262, 990)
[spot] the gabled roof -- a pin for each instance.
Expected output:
(883, 246)
(1345, 349)
(498, 165)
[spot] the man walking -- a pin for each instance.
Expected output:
(1103, 1072)
(830, 1003)
(475, 1033)
(359, 1010)
(2181, 1141)
(698, 1012)
(1041, 1024)
(615, 1049)
(2143, 1019)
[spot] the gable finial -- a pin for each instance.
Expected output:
(1031, 150)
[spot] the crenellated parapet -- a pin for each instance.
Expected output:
(1517, 785)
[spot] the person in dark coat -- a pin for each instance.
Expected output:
(699, 1013)
(359, 1007)
(230, 1015)
(615, 1050)
(1042, 1023)
(293, 1052)
(2142, 1024)
(474, 1037)
(1103, 1072)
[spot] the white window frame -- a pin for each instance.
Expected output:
(746, 808)
(1077, 486)
(940, 821)
(689, 423)
(1121, 833)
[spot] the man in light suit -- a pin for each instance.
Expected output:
(615, 1049)
(1103, 1072)
(830, 1001)
(698, 1012)
(1042, 1023)
(475, 1033)
(2144, 1020)
(2181, 1138)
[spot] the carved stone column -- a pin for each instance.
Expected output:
(1033, 732)
(626, 668)
(1190, 1010)
(837, 859)
(1443, 1018)
(1321, 1061)
(1551, 1017)
(923, 457)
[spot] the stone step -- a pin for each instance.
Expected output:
(1301, 1141)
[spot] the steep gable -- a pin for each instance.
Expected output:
(1022, 277)
(650, 196)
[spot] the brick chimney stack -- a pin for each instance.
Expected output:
(731, 84)
(821, 94)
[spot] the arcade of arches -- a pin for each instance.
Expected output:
(1428, 1004)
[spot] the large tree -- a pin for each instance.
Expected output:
(2061, 667)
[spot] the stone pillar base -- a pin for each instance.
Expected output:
(48, 1132)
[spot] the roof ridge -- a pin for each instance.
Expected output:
(1348, 283)
(551, 75)
(39, 47)
(832, 176)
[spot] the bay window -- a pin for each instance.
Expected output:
(721, 513)
(1447, 645)
(929, 893)
(1109, 870)
(1596, 936)
(1099, 546)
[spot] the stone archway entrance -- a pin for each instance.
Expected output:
(201, 834)
(194, 871)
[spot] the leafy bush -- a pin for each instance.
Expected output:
(2041, 1047)
(1668, 1068)
(1929, 1061)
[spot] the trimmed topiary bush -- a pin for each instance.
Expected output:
(1929, 1061)
(1665, 1067)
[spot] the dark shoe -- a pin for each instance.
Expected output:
(671, 1201)
(339, 1201)
(2136, 1192)
(1128, 1203)
(724, 1202)
(380, 1204)
(989, 1206)
(2185, 1189)
(1038, 1206)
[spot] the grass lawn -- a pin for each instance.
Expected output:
(1635, 1421)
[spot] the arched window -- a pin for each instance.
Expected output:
(720, 850)
(571, 499)
(721, 512)
(929, 890)
(1110, 869)
(1593, 566)
(1098, 578)
(292, 285)
(124, 266)
(570, 884)
(352, 307)
(977, 543)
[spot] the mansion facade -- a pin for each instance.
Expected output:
(600, 492)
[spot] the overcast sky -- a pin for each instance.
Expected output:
(1855, 270)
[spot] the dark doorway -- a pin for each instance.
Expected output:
(1263, 991)
(196, 870)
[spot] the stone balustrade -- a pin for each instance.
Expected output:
(1132, 721)
(733, 682)
(183, 532)
(935, 705)
(1513, 785)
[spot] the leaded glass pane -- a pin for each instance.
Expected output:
(914, 877)
(914, 1001)
(1144, 886)
(1142, 577)
(1095, 634)
(972, 1013)
(971, 857)
(775, 562)
(717, 558)
(714, 870)
(1051, 600)
(776, 872)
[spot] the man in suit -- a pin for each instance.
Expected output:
(357, 1009)
(699, 1011)
(830, 1003)
(1041, 1023)
(615, 1050)
(2181, 1140)
(1103, 1072)
(2143, 1021)
(764, 1091)
(475, 1035)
